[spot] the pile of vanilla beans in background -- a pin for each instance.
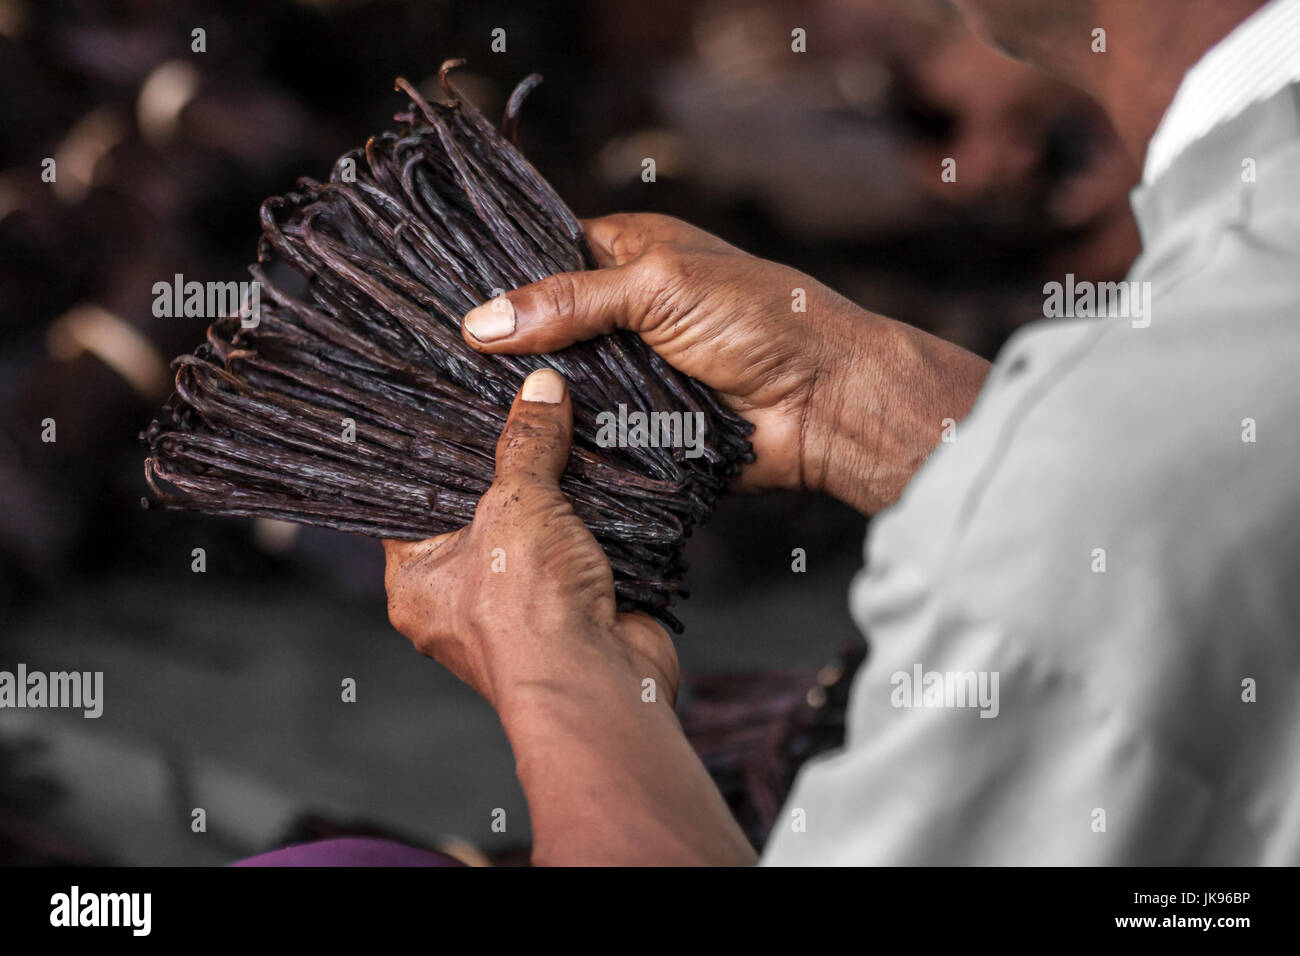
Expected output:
(383, 261)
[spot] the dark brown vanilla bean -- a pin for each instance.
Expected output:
(357, 405)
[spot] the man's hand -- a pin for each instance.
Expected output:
(842, 400)
(520, 605)
(523, 594)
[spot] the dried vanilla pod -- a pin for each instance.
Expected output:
(439, 214)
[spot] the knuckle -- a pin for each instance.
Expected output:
(512, 493)
(490, 504)
(530, 437)
(559, 295)
(483, 608)
(399, 615)
(536, 429)
(624, 246)
(659, 263)
(628, 235)
(394, 576)
(419, 594)
(525, 513)
(669, 285)
(668, 228)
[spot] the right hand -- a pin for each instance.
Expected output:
(815, 383)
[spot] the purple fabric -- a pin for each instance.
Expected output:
(350, 851)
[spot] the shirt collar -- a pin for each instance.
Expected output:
(1254, 61)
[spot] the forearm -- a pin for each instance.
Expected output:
(885, 399)
(610, 778)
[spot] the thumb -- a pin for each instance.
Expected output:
(534, 445)
(555, 312)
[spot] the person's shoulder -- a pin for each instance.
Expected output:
(1149, 420)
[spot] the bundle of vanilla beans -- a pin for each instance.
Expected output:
(364, 325)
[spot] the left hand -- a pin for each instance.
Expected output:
(522, 598)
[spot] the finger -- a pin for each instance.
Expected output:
(618, 239)
(535, 442)
(601, 234)
(403, 552)
(624, 237)
(401, 558)
(558, 311)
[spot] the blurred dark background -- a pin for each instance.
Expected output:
(222, 689)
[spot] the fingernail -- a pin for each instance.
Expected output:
(494, 319)
(544, 385)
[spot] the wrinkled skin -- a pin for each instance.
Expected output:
(483, 599)
(520, 604)
(818, 384)
(710, 310)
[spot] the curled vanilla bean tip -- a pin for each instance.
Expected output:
(354, 402)
(510, 118)
(444, 75)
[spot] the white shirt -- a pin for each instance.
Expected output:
(1250, 64)
(1110, 551)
